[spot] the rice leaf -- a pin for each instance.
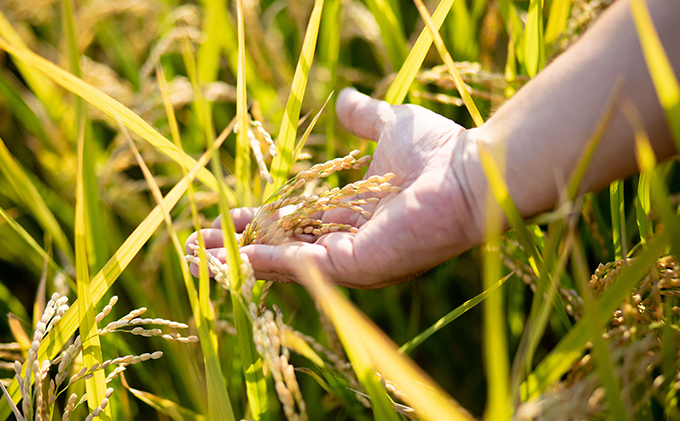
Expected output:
(329, 53)
(391, 31)
(32, 200)
(533, 39)
(208, 55)
(495, 326)
(557, 20)
(664, 78)
(166, 406)
(594, 320)
(92, 351)
(657, 190)
(34, 247)
(308, 131)
(9, 91)
(105, 278)
(86, 217)
(570, 348)
(451, 316)
(113, 108)
(282, 163)
(450, 65)
(500, 192)
(616, 202)
(371, 350)
(43, 88)
(603, 122)
(407, 73)
(8, 299)
(219, 405)
(243, 190)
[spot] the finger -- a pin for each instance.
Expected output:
(363, 115)
(240, 216)
(211, 236)
(332, 254)
(220, 253)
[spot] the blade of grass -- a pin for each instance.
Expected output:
(109, 274)
(616, 202)
(256, 386)
(391, 31)
(208, 55)
(32, 244)
(540, 311)
(603, 122)
(219, 405)
(329, 54)
(9, 91)
(380, 354)
(663, 76)
(89, 254)
(282, 163)
(32, 200)
(500, 192)
(642, 208)
(570, 348)
(8, 299)
(243, 190)
(41, 86)
(451, 316)
(511, 67)
(96, 246)
(534, 48)
(113, 108)
(595, 322)
(450, 65)
(166, 406)
(308, 131)
(495, 341)
(407, 73)
(557, 20)
(658, 193)
(92, 350)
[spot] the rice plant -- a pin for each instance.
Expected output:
(110, 113)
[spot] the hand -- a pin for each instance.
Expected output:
(432, 219)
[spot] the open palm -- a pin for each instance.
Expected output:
(429, 221)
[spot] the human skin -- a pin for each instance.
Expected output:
(441, 209)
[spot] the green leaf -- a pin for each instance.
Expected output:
(570, 348)
(113, 108)
(105, 278)
(663, 76)
(399, 88)
(451, 316)
(391, 31)
(282, 163)
(450, 65)
(371, 351)
(557, 20)
(533, 39)
(31, 199)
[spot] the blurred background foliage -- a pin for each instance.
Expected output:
(122, 41)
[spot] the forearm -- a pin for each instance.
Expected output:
(546, 126)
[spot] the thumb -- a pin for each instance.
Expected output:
(363, 115)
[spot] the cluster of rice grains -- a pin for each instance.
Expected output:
(41, 382)
(636, 341)
(268, 229)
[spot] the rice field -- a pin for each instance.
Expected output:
(127, 125)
